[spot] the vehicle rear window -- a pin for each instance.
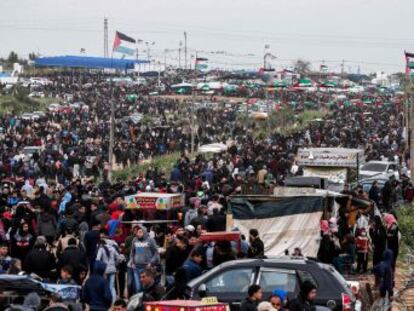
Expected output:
(306, 276)
(271, 280)
(230, 281)
(374, 167)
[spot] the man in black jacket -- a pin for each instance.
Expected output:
(39, 260)
(251, 302)
(73, 256)
(176, 255)
(256, 248)
(216, 222)
(91, 241)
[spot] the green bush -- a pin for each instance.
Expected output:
(405, 216)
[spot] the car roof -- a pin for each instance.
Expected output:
(290, 262)
(379, 162)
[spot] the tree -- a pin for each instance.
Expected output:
(32, 56)
(302, 67)
(13, 57)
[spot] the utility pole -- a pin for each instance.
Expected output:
(111, 136)
(342, 69)
(165, 59)
(193, 90)
(185, 50)
(179, 54)
(106, 37)
(409, 89)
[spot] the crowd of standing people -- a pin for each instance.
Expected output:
(62, 220)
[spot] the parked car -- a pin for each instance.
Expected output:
(379, 169)
(28, 116)
(40, 114)
(37, 94)
(367, 183)
(230, 281)
(54, 107)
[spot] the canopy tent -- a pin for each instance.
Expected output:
(181, 85)
(132, 97)
(304, 83)
(329, 84)
(213, 148)
(182, 88)
(87, 62)
(280, 83)
(230, 88)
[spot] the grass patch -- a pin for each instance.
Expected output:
(285, 122)
(22, 103)
(164, 162)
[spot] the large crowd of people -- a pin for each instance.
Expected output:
(62, 220)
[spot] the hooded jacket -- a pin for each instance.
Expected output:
(189, 216)
(110, 256)
(96, 292)
(192, 269)
(301, 303)
(385, 273)
(144, 251)
(46, 225)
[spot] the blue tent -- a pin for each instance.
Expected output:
(87, 62)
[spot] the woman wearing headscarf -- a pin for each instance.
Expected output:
(392, 236)
(378, 237)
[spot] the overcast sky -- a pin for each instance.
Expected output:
(371, 34)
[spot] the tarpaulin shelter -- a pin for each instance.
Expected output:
(283, 222)
(87, 62)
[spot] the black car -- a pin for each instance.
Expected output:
(229, 281)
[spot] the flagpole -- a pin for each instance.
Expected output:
(112, 122)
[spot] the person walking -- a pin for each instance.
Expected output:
(192, 265)
(252, 301)
(306, 298)
(256, 248)
(96, 292)
(378, 237)
(144, 254)
(109, 255)
(393, 239)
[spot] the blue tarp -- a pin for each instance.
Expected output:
(87, 62)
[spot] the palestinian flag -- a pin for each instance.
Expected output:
(324, 68)
(409, 55)
(124, 44)
(201, 63)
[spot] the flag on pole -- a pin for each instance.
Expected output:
(123, 44)
(201, 63)
(409, 63)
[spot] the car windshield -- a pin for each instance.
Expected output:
(374, 167)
